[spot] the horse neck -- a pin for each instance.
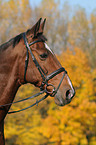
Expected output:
(8, 75)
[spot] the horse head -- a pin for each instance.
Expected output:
(39, 66)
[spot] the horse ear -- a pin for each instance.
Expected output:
(41, 28)
(36, 27)
(34, 30)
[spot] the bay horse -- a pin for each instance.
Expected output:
(27, 58)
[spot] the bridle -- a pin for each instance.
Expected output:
(42, 73)
(45, 77)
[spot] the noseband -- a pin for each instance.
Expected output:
(45, 78)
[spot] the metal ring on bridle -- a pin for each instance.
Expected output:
(47, 91)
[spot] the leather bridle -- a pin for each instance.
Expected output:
(45, 78)
(42, 73)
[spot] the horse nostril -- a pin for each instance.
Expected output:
(69, 94)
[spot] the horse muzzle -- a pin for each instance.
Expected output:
(62, 96)
(65, 97)
(48, 86)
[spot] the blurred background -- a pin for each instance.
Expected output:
(71, 33)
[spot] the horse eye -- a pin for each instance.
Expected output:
(43, 56)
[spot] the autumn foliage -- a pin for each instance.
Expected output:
(73, 39)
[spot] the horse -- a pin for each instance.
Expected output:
(27, 58)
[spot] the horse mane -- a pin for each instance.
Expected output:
(6, 45)
(12, 42)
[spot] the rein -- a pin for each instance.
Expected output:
(36, 103)
(43, 75)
